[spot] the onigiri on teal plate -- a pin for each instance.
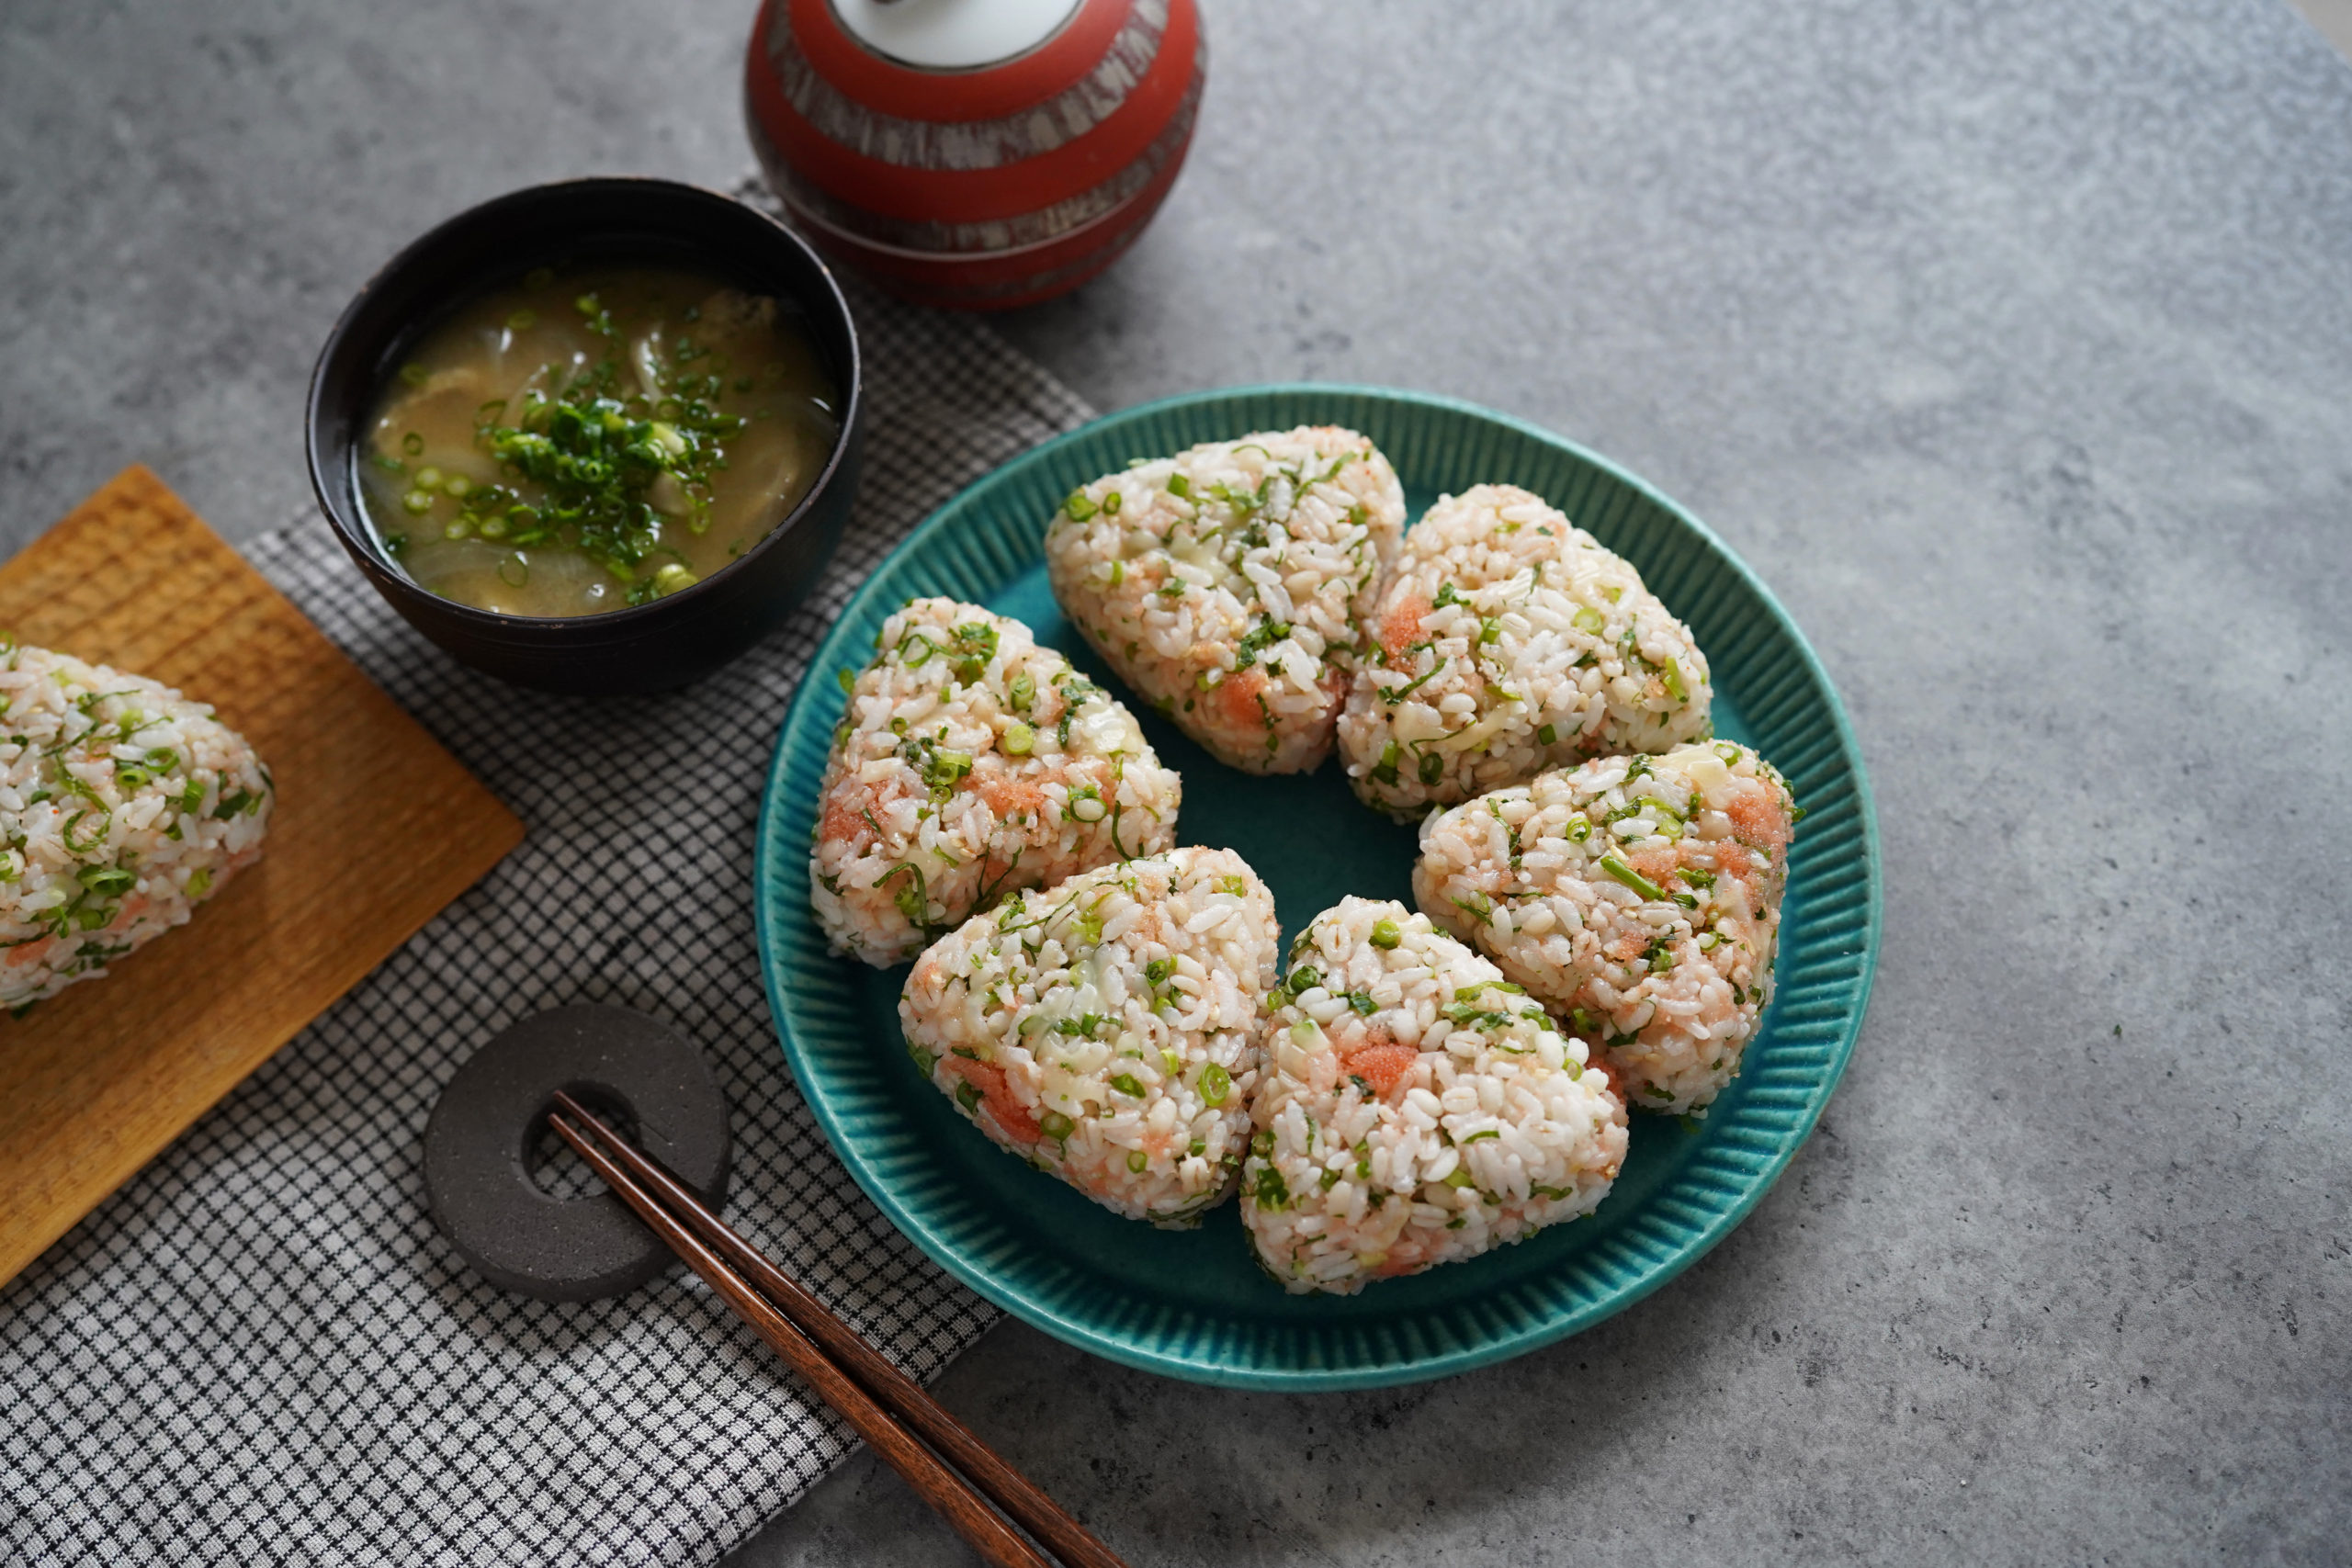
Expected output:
(1194, 1304)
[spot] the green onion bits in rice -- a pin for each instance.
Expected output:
(124, 805)
(1227, 584)
(1638, 898)
(1416, 1109)
(1105, 1029)
(972, 762)
(1510, 641)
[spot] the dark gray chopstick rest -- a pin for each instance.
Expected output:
(478, 1143)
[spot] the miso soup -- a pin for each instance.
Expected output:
(596, 438)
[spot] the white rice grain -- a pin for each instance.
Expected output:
(1637, 897)
(1100, 1034)
(1417, 1109)
(123, 806)
(1509, 641)
(972, 762)
(1227, 584)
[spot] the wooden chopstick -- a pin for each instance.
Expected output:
(874, 1375)
(904, 1397)
(950, 1494)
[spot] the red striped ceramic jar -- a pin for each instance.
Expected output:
(980, 153)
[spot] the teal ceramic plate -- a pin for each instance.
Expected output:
(1193, 1304)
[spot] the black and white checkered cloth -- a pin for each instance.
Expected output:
(260, 1349)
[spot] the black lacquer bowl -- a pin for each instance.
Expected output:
(648, 648)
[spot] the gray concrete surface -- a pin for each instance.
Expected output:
(2333, 18)
(2011, 343)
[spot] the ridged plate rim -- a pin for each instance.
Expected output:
(1833, 926)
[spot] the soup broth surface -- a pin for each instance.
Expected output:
(595, 438)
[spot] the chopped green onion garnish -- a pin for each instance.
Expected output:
(1410, 687)
(1126, 1084)
(1303, 977)
(1053, 1124)
(1547, 736)
(106, 882)
(1590, 620)
(82, 845)
(1216, 1084)
(1632, 878)
(971, 647)
(1019, 739)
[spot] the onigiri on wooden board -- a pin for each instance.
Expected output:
(373, 829)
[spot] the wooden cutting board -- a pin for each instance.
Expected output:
(375, 829)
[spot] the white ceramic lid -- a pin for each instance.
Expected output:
(952, 35)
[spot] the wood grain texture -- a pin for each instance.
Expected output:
(375, 830)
